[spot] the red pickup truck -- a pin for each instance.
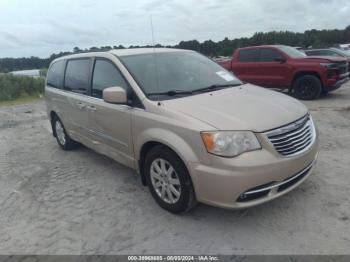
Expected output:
(280, 66)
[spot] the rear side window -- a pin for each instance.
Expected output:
(77, 76)
(106, 75)
(55, 74)
(332, 53)
(269, 55)
(250, 55)
(325, 52)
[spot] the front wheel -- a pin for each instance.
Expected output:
(307, 87)
(169, 181)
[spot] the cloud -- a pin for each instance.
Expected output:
(43, 27)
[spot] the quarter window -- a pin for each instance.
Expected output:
(269, 55)
(106, 75)
(250, 55)
(77, 76)
(55, 74)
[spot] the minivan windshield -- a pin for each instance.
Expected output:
(177, 73)
(291, 51)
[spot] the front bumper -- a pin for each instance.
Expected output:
(264, 169)
(337, 84)
(276, 188)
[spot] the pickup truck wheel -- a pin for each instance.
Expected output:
(64, 141)
(307, 87)
(168, 180)
(324, 92)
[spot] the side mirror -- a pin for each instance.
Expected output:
(115, 95)
(280, 59)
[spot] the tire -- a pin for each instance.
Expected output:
(324, 92)
(64, 141)
(163, 187)
(307, 87)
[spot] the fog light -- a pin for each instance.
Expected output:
(330, 75)
(243, 196)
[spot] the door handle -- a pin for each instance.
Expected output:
(91, 108)
(81, 105)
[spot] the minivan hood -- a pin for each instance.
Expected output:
(246, 107)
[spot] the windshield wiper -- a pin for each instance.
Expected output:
(213, 87)
(184, 92)
(172, 93)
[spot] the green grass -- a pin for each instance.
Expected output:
(20, 88)
(23, 99)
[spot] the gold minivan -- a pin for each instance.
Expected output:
(191, 129)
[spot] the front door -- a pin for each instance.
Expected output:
(111, 125)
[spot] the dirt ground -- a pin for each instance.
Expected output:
(79, 202)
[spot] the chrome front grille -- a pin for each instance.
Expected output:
(294, 138)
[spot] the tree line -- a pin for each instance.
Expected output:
(310, 38)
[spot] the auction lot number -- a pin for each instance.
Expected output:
(173, 258)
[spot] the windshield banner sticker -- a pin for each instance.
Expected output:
(225, 75)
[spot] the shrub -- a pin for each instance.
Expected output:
(12, 87)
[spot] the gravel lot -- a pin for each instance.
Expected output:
(79, 202)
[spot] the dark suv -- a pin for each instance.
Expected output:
(329, 52)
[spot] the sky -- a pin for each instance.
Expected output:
(42, 27)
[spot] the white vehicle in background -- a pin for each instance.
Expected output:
(35, 73)
(345, 46)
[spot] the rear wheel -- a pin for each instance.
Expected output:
(307, 87)
(64, 141)
(168, 180)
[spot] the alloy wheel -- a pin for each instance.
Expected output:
(60, 133)
(165, 181)
(307, 88)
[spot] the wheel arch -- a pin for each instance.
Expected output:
(303, 73)
(151, 138)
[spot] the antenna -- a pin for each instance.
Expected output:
(152, 30)
(155, 60)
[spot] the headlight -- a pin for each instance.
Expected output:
(230, 143)
(329, 65)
